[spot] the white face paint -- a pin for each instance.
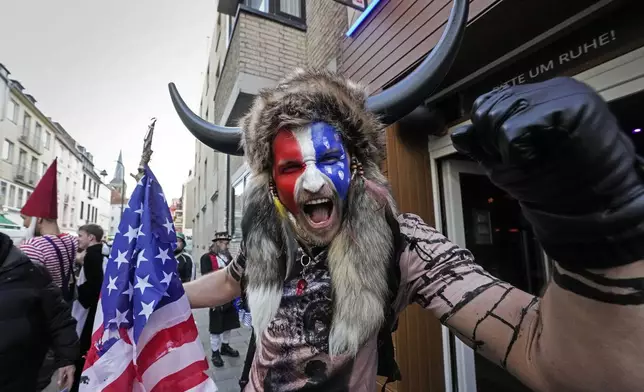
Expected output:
(312, 179)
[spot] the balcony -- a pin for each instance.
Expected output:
(90, 195)
(263, 48)
(25, 177)
(31, 140)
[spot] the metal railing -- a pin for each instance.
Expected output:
(31, 140)
(25, 176)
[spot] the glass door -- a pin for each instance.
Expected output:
(487, 221)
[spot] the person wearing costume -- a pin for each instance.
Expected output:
(56, 251)
(185, 266)
(224, 317)
(328, 262)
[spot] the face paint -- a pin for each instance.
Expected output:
(308, 158)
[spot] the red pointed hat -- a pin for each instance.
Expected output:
(43, 203)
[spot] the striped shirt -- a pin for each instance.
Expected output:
(40, 250)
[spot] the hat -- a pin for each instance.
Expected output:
(222, 236)
(181, 236)
(43, 202)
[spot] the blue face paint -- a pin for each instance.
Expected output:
(331, 157)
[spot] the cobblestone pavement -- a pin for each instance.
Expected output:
(227, 377)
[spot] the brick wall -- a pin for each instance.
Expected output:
(327, 22)
(260, 47)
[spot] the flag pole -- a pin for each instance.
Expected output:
(147, 150)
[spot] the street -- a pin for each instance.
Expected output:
(227, 377)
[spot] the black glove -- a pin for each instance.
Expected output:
(556, 147)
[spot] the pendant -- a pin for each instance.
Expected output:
(301, 286)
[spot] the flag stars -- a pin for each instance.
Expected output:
(111, 285)
(121, 258)
(167, 277)
(140, 210)
(120, 318)
(140, 232)
(129, 291)
(163, 255)
(142, 283)
(140, 258)
(132, 233)
(147, 309)
(168, 225)
(141, 181)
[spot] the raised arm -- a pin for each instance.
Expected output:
(216, 288)
(556, 148)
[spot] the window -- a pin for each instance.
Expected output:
(3, 193)
(47, 140)
(291, 8)
(12, 196)
(28, 196)
(88, 207)
(7, 151)
(12, 111)
(38, 134)
(44, 169)
(26, 124)
(82, 209)
(84, 180)
(21, 196)
(33, 168)
(22, 158)
(238, 208)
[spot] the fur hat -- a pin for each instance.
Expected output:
(222, 236)
(359, 255)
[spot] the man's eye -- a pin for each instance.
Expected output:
(329, 159)
(290, 169)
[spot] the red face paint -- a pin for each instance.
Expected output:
(287, 168)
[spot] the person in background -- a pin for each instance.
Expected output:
(223, 318)
(91, 258)
(33, 318)
(185, 265)
(46, 245)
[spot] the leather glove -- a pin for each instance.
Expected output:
(556, 147)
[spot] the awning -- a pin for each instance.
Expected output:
(5, 223)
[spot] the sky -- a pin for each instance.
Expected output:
(101, 69)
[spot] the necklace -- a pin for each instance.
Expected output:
(307, 263)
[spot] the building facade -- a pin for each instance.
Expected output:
(30, 143)
(598, 42)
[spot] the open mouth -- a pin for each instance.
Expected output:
(318, 212)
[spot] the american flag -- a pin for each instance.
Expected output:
(145, 338)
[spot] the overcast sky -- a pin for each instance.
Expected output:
(101, 68)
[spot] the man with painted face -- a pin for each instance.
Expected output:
(327, 261)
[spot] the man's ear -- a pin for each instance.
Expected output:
(40, 220)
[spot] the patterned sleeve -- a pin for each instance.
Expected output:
(34, 254)
(489, 315)
(236, 267)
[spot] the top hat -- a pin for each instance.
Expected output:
(222, 236)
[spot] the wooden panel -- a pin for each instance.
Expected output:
(395, 37)
(417, 341)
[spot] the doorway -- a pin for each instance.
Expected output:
(486, 220)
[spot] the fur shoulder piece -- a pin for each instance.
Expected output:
(306, 97)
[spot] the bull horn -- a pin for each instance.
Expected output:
(217, 137)
(399, 100)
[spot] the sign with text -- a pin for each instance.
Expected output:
(582, 49)
(360, 5)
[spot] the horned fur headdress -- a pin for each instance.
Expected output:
(358, 256)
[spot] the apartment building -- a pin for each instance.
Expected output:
(30, 143)
(255, 44)
(94, 194)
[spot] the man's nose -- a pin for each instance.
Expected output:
(312, 180)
